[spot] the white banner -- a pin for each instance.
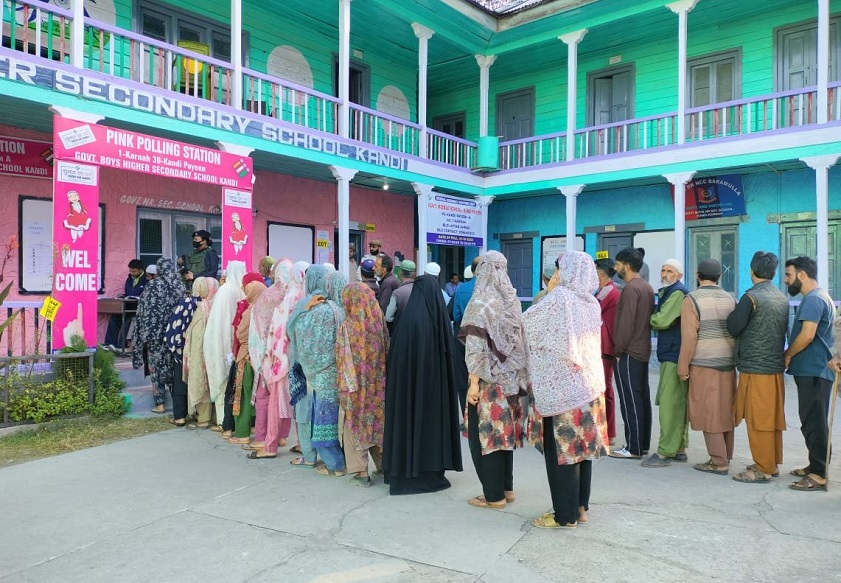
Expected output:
(454, 221)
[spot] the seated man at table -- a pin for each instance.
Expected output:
(135, 282)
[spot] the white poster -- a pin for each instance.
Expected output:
(552, 247)
(454, 221)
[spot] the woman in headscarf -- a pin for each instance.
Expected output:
(312, 331)
(219, 338)
(495, 353)
(239, 405)
(195, 373)
(174, 336)
(568, 416)
(258, 342)
(421, 437)
(361, 349)
(153, 310)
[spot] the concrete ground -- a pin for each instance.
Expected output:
(184, 506)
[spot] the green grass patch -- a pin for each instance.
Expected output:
(66, 435)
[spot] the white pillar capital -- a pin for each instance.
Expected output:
(75, 114)
(820, 162)
(422, 189)
(421, 31)
(484, 200)
(342, 174)
(485, 61)
(234, 149)
(682, 6)
(571, 189)
(573, 38)
(679, 178)
(424, 194)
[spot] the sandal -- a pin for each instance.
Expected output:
(250, 447)
(216, 428)
(709, 467)
(756, 469)
(809, 484)
(296, 448)
(176, 423)
(253, 456)
(548, 521)
(751, 476)
(801, 472)
(510, 496)
(238, 440)
(226, 434)
(198, 426)
(300, 461)
(325, 471)
(159, 410)
(480, 502)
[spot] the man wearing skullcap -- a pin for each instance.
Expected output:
(672, 391)
(366, 271)
(400, 297)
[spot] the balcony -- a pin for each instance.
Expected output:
(44, 30)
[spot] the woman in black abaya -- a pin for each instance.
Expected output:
(421, 437)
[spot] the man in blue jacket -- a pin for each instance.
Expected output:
(457, 305)
(115, 335)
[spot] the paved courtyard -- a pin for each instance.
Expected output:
(184, 506)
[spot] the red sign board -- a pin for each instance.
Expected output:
(29, 158)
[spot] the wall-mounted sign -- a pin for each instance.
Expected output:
(602, 254)
(454, 221)
(552, 246)
(370, 227)
(715, 196)
(30, 158)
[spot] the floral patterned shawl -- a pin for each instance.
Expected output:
(361, 353)
(564, 339)
(262, 312)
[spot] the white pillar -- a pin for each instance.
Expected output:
(485, 63)
(678, 181)
(682, 9)
(344, 68)
(423, 34)
(821, 166)
(424, 192)
(77, 33)
(823, 60)
(572, 39)
(343, 176)
(571, 193)
(236, 53)
(77, 115)
(484, 202)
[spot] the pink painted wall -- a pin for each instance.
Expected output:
(278, 198)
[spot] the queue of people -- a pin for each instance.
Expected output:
(379, 377)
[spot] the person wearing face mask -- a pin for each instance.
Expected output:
(204, 261)
(806, 360)
(672, 390)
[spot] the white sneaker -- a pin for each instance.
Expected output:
(623, 454)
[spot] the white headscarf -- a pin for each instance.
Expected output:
(563, 333)
(219, 335)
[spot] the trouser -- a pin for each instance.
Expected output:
(204, 411)
(609, 399)
(228, 401)
(631, 376)
(179, 392)
(719, 447)
(813, 405)
(261, 414)
(220, 409)
(245, 419)
(569, 484)
(765, 424)
(112, 333)
(495, 470)
(332, 456)
(672, 396)
(460, 368)
(357, 455)
(303, 416)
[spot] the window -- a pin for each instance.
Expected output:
(796, 54)
(715, 78)
(359, 81)
(719, 243)
(162, 234)
(453, 124)
(168, 24)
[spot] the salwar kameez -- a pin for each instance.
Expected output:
(760, 401)
(245, 420)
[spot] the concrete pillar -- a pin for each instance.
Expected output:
(823, 60)
(571, 193)
(423, 34)
(572, 39)
(343, 176)
(424, 193)
(678, 182)
(344, 68)
(821, 166)
(484, 202)
(682, 9)
(485, 63)
(77, 33)
(236, 53)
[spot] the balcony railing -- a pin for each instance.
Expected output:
(383, 130)
(626, 136)
(40, 29)
(834, 98)
(448, 149)
(289, 102)
(527, 152)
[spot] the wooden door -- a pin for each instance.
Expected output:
(515, 114)
(519, 255)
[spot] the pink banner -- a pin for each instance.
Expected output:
(125, 150)
(237, 222)
(75, 249)
(28, 158)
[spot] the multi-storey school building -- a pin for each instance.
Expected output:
(696, 128)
